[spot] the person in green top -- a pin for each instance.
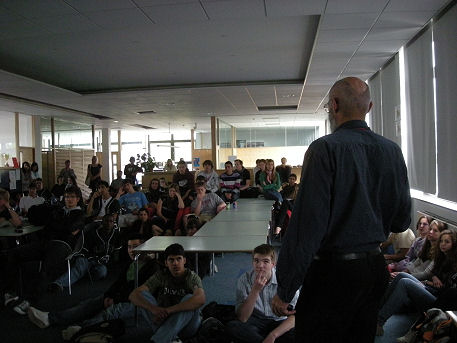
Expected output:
(270, 182)
(169, 301)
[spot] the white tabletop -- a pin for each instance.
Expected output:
(240, 216)
(229, 229)
(10, 230)
(203, 244)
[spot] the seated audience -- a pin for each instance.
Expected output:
(406, 291)
(260, 168)
(422, 228)
(118, 292)
(131, 201)
(167, 210)
(270, 182)
(230, 182)
(254, 292)
(256, 168)
(206, 205)
(144, 225)
(169, 166)
(153, 194)
(421, 267)
(284, 170)
(71, 182)
(97, 250)
(210, 175)
(246, 191)
(401, 242)
(26, 177)
(30, 200)
(168, 302)
(289, 193)
(192, 226)
(61, 233)
(41, 191)
(15, 199)
(118, 182)
(34, 170)
(185, 180)
(102, 203)
(7, 213)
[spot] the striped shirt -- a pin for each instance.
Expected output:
(230, 183)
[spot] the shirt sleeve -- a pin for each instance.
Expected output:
(153, 283)
(194, 281)
(144, 201)
(309, 222)
(242, 290)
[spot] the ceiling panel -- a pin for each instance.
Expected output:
(36, 9)
(355, 6)
(99, 5)
(65, 24)
(119, 19)
(294, 7)
(184, 12)
(234, 9)
(415, 5)
(348, 21)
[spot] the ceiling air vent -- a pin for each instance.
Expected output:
(277, 108)
(146, 112)
(144, 127)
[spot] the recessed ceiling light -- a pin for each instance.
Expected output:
(116, 121)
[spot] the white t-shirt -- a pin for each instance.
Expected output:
(402, 240)
(103, 208)
(27, 202)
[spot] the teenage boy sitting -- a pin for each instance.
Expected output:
(31, 199)
(255, 289)
(131, 201)
(86, 311)
(102, 203)
(206, 205)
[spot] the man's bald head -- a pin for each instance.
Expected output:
(352, 96)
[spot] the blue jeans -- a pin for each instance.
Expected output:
(86, 308)
(254, 330)
(405, 291)
(271, 194)
(184, 323)
(81, 267)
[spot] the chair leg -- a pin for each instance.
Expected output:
(69, 277)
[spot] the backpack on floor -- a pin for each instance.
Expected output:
(223, 313)
(437, 327)
(213, 331)
(104, 332)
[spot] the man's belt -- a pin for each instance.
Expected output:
(348, 256)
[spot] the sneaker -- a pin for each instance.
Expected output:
(70, 331)
(39, 318)
(22, 308)
(55, 288)
(408, 338)
(10, 298)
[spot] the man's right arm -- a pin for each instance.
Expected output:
(245, 309)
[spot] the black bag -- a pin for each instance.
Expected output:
(435, 327)
(104, 332)
(40, 214)
(224, 313)
(213, 331)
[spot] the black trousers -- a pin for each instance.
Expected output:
(339, 300)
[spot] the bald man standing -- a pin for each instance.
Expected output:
(353, 192)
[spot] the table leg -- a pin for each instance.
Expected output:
(196, 262)
(136, 286)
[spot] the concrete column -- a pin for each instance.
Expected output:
(37, 141)
(106, 156)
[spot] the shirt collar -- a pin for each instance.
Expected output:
(354, 124)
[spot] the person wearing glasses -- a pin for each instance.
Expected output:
(353, 192)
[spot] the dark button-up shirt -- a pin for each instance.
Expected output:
(353, 191)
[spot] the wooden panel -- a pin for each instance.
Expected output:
(26, 155)
(167, 175)
(203, 154)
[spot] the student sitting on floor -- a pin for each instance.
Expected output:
(144, 225)
(167, 210)
(422, 228)
(211, 177)
(102, 203)
(206, 205)
(406, 291)
(254, 292)
(118, 292)
(401, 243)
(131, 201)
(289, 193)
(98, 249)
(230, 183)
(7, 214)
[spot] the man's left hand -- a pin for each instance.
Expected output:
(279, 307)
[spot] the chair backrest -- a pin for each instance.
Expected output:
(55, 260)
